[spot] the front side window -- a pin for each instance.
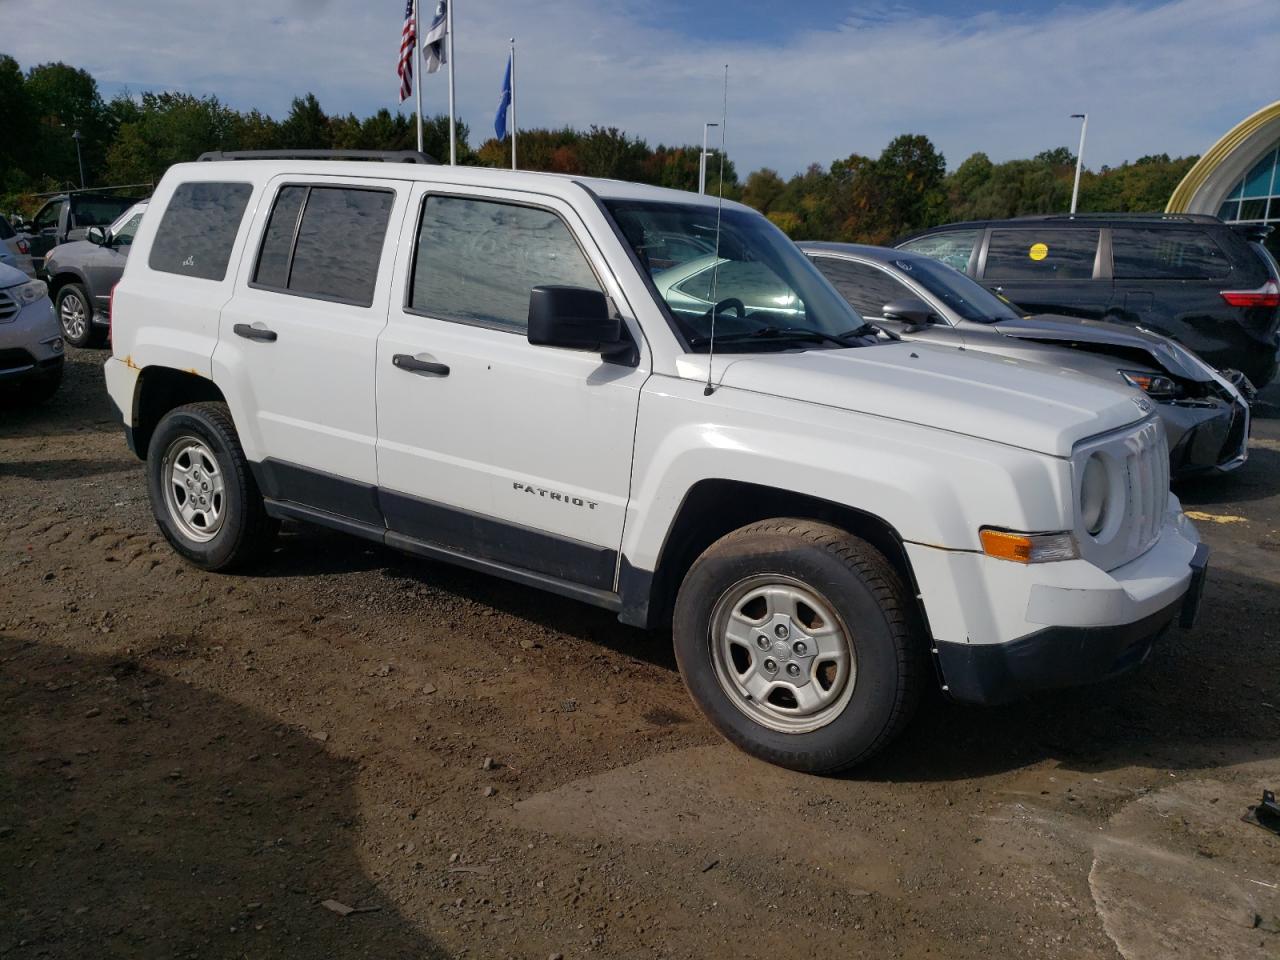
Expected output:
(325, 242)
(1147, 253)
(47, 218)
(868, 288)
(199, 229)
(477, 260)
(953, 247)
(1035, 254)
(761, 290)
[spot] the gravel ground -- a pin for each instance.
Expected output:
(192, 765)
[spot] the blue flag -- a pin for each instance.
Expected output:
(504, 101)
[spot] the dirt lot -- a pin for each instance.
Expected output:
(191, 764)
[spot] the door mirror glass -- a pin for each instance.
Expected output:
(97, 236)
(910, 311)
(575, 318)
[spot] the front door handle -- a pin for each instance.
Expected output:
(406, 361)
(250, 332)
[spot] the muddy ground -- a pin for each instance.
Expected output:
(191, 764)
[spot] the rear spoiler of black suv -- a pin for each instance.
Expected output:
(1257, 232)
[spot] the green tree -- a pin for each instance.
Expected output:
(66, 99)
(306, 127)
(172, 128)
(18, 120)
(762, 189)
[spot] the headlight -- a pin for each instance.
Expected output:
(1157, 385)
(29, 292)
(1095, 491)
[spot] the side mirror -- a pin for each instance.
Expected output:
(915, 313)
(97, 235)
(574, 318)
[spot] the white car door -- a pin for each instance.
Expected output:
(298, 339)
(489, 446)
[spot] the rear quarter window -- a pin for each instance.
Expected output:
(199, 229)
(1041, 254)
(1144, 253)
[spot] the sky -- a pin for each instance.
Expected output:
(809, 80)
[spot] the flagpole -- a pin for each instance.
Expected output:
(453, 134)
(417, 67)
(513, 103)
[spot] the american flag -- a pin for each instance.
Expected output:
(408, 42)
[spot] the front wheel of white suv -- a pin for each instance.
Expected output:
(799, 642)
(203, 494)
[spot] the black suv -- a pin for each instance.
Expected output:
(1209, 285)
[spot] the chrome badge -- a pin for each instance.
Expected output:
(1143, 404)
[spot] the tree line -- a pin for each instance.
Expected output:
(133, 140)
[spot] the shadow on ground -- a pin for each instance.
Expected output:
(143, 817)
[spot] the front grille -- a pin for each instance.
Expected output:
(1147, 475)
(9, 307)
(1138, 462)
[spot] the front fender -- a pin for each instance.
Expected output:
(930, 486)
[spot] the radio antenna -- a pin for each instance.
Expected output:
(715, 269)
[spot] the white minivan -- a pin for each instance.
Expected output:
(477, 366)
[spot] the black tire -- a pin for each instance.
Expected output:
(75, 317)
(861, 589)
(41, 389)
(245, 532)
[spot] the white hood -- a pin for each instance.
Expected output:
(981, 395)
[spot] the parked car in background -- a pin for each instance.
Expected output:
(1206, 418)
(67, 216)
(31, 352)
(827, 520)
(81, 274)
(1209, 285)
(15, 247)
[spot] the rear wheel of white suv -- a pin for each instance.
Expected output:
(203, 494)
(797, 640)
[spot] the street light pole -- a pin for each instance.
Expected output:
(79, 162)
(1084, 126)
(702, 160)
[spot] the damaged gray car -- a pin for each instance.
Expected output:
(1205, 411)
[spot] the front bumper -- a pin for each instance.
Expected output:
(1206, 436)
(30, 343)
(1004, 630)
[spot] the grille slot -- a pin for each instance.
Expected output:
(9, 307)
(1141, 457)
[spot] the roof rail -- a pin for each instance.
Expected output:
(1154, 215)
(386, 156)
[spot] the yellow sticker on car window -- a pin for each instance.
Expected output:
(1039, 251)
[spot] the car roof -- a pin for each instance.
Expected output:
(497, 178)
(1082, 220)
(865, 250)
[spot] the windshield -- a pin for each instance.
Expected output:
(764, 292)
(970, 299)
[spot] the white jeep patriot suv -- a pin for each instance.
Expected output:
(477, 366)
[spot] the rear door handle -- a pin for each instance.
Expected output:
(250, 332)
(406, 361)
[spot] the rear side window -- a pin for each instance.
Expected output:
(477, 260)
(199, 229)
(325, 242)
(1041, 254)
(953, 247)
(867, 288)
(98, 211)
(6, 231)
(1157, 254)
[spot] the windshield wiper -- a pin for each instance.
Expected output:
(868, 328)
(778, 333)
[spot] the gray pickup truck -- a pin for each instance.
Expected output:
(67, 216)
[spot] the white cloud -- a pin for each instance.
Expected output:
(1165, 77)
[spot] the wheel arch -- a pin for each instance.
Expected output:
(160, 389)
(63, 276)
(712, 508)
